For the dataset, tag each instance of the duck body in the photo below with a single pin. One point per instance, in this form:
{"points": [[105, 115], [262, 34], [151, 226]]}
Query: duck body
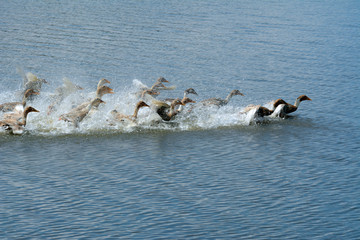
{"points": [[32, 82], [75, 116], [155, 88], [166, 112], [100, 92], [262, 111], [221, 102], [282, 108], [16, 123], [122, 117]]}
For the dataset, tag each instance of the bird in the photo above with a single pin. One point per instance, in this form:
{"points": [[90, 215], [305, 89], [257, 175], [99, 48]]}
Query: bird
{"points": [[221, 102], [282, 108], [17, 122], [31, 81], [102, 82], [168, 112], [100, 92], [61, 93], [75, 116], [122, 117], [12, 106], [186, 93], [185, 99], [165, 111], [158, 85], [259, 112]]}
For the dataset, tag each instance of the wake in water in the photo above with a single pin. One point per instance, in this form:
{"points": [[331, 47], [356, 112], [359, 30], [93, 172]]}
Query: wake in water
{"points": [[71, 110]]}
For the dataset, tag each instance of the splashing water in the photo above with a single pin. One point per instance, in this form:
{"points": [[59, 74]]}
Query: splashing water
{"points": [[101, 120]]}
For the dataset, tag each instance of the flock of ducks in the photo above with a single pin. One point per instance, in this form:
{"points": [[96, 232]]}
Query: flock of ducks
{"points": [[15, 113]]}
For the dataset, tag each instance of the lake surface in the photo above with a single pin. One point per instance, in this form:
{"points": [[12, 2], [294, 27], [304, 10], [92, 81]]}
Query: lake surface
{"points": [[210, 174]]}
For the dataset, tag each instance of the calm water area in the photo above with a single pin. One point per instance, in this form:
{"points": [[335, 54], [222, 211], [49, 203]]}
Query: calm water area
{"points": [[210, 174]]}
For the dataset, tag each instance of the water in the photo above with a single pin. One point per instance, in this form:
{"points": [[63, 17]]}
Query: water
{"points": [[211, 176]]}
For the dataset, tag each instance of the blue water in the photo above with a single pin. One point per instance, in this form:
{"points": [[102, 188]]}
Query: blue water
{"points": [[207, 176]]}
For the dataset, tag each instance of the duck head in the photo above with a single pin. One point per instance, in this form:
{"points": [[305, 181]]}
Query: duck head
{"points": [[187, 100], [141, 104], [161, 80], [104, 90], [30, 109], [236, 92], [102, 82], [303, 98], [191, 90], [96, 102]]}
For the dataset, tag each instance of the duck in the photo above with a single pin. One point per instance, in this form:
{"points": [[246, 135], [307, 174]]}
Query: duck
{"points": [[282, 108], [61, 93], [168, 112], [159, 85], [122, 117], [184, 101], [75, 116], [102, 82], [17, 122], [260, 111], [12, 106], [165, 111], [186, 93], [221, 102], [156, 87], [149, 95], [100, 92], [31, 81]]}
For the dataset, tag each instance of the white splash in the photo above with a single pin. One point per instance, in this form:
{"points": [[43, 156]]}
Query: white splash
{"points": [[124, 101]]}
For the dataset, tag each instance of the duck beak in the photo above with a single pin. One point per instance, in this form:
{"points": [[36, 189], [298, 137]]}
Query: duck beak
{"points": [[35, 93], [111, 91], [78, 87]]}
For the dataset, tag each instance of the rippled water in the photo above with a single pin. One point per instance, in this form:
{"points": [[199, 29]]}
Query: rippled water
{"points": [[209, 174]]}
